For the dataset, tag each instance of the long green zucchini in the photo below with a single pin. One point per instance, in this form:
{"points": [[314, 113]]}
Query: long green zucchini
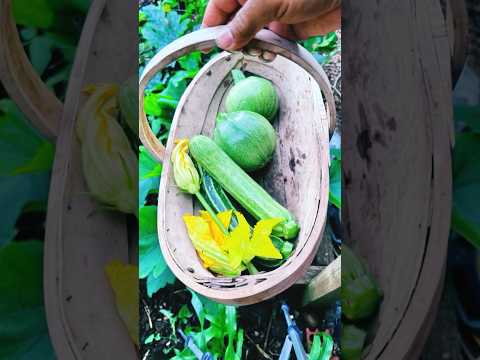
{"points": [[219, 201], [241, 186]]}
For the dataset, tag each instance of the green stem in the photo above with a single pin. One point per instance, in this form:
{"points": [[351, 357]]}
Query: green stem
{"points": [[237, 75], [214, 216], [251, 268]]}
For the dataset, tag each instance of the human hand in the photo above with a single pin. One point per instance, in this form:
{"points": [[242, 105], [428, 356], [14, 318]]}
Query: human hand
{"points": [[292, 19]]}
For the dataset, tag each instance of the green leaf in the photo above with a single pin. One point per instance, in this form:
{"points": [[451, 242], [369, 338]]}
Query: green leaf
{"points": [[177, 85], [150, 171], [28, 33], [239, 348], [152, 264], [152, 105], [231, 324], [41, 52], [322, 347], [24, 169], [198, 308], [335, 195], [34, 13], [466, 187], [23, 327], [184, 312], [149, 339], [200, 312], [468, 115], [322, 43], [160, 28], [19, 143], [19, 191], [191, 62], [41, 161]]}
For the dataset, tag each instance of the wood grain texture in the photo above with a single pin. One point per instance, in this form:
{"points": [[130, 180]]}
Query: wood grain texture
{"points": [[312, 271], [457, 27], [398, 112], [81, 236], [297, 176], [325, 286], [22, 83]]}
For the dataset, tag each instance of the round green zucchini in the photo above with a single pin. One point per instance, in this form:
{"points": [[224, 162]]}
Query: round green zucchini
{"points": [[253, 94], [247, 137]]}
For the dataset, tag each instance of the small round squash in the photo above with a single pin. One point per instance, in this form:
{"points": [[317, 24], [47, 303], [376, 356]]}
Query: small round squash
{"points": [[247, 137], [253, 94]]}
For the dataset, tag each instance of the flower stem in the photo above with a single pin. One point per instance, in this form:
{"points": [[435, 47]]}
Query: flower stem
{"points": [[212, 213], [251, 268], [237, 75]]}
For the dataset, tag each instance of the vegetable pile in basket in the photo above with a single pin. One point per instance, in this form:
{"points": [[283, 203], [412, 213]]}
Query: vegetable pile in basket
{"points": [[216, 169]]}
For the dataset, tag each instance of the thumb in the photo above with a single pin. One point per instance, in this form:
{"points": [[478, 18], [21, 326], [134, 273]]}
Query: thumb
{"points": [[249, 20]]}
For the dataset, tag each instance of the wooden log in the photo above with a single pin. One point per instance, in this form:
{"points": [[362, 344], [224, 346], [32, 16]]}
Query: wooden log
{"points": [[325, 287], [310, 274]]}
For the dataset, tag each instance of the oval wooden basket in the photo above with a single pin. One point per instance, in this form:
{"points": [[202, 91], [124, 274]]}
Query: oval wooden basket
{"points": [[81, 237], [297, 176]]}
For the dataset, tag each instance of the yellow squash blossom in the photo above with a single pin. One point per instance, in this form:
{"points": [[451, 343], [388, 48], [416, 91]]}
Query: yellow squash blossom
{"points": [[229, 254], [217, 234], [243, 247], [209, 250], [123, 279], [109, 163], [184, 171]]}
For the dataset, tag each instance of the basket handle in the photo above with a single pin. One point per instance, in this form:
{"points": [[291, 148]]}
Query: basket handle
{"points": [[205, 39], [21, 81]]}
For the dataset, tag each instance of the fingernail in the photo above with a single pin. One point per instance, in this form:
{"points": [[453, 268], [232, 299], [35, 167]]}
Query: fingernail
{"points": [[225, 40], [268, 56]]}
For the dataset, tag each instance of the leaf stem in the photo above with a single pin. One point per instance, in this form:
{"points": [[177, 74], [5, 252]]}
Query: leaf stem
{"points": [[214, 216], [251, 268]]}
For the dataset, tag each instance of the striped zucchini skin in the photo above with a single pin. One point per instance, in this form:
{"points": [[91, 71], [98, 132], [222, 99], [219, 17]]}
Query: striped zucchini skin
{"points": [[216, 196], [241, 186]]}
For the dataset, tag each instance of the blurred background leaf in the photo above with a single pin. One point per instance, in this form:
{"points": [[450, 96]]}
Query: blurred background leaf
{"points": [[152, 264], [25, 167], [23, 330], [466, 187]]}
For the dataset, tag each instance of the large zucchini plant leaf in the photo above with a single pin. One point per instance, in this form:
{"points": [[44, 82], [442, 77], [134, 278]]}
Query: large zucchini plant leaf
{"points": [[24, 169], [23, 328], [468, 115], [152, 264], [160, 28], [37, 13], [466, 187], [150, 171]]}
